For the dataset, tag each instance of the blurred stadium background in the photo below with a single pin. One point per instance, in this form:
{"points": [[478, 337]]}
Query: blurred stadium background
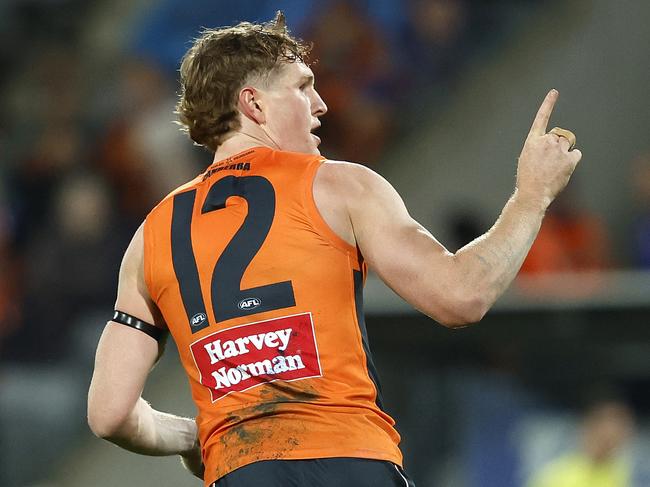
{"points": [[437, 95]]}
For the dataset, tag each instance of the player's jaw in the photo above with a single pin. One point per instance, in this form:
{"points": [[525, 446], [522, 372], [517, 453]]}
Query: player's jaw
{"points": [[293, 130]]}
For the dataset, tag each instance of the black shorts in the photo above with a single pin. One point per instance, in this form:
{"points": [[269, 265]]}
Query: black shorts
{"points": [[320, 472]]}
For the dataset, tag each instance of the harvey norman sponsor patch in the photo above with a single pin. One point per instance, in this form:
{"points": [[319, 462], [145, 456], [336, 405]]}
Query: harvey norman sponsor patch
{"points": [[245, 356]]}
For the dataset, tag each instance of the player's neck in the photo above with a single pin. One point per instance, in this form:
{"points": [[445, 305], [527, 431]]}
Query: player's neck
{"points": [[242, 140]]}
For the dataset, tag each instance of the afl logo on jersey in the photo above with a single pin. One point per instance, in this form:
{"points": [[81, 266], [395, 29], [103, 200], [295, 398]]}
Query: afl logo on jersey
{"points": [[249, 303], [198, 319]]}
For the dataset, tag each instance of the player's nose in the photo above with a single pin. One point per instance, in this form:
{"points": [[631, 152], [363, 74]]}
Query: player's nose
{"points": [[318, 106]]}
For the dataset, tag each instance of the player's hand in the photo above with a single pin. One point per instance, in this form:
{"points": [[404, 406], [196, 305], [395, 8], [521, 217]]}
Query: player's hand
{"points": [[193, 461], [545, 163]]}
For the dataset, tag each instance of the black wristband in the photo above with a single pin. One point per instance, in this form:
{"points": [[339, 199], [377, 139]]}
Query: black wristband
{"points": [[154, 332]]}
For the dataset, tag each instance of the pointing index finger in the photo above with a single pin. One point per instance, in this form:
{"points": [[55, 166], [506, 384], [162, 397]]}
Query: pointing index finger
{"points": [[543, 114]]}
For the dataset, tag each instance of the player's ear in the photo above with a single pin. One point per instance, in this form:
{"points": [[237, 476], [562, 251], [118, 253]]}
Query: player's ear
{"points": [[250, 105]]}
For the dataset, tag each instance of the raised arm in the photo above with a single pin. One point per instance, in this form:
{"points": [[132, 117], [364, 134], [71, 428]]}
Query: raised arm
{"points": [[456, 289], [125, 356]]}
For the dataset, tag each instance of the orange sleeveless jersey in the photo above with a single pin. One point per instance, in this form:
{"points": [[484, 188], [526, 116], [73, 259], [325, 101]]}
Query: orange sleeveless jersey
{"points": [[263, 300]]}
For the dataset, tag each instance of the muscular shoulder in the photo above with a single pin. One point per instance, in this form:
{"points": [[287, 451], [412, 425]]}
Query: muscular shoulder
{"points": [[344, 191], [359, 187], [346, 177], [340, 186]]}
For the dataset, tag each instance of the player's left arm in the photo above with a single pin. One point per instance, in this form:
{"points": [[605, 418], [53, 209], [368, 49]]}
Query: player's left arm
{"points": [[125, 356]]}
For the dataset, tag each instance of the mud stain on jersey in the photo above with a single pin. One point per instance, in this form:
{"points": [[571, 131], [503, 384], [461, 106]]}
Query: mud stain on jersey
{"points": [[253, 433], [246, 434], [275, 393], [241, 440]]}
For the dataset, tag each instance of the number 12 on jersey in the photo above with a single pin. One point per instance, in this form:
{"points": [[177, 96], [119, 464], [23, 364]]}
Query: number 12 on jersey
{"points": [[228, 299]]}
